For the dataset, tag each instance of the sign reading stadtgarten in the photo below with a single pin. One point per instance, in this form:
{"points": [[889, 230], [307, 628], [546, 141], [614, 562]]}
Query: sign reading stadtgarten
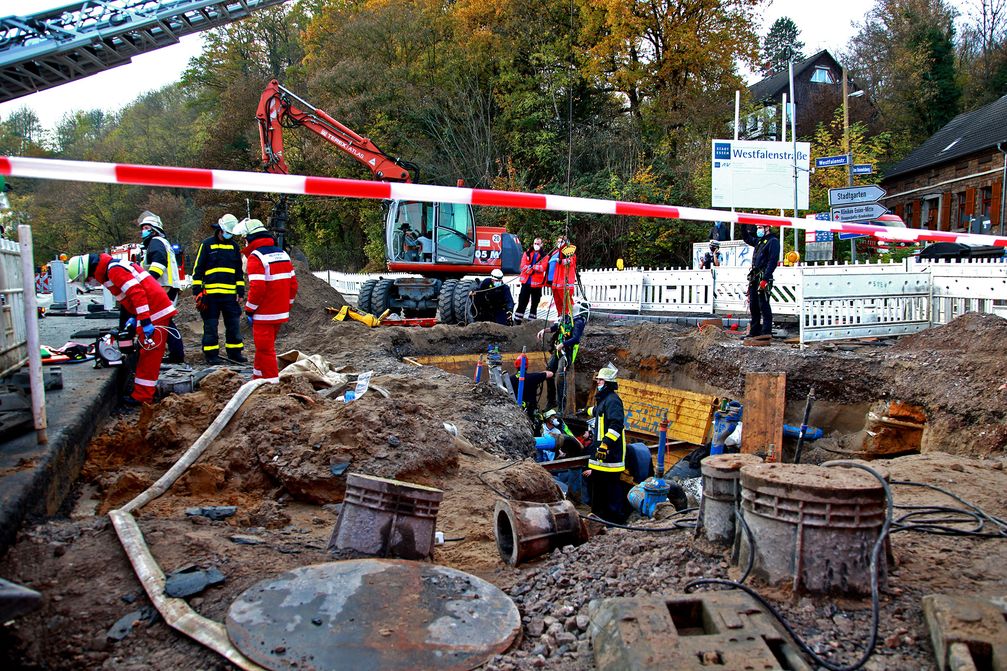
{"points": [[759, 174]]}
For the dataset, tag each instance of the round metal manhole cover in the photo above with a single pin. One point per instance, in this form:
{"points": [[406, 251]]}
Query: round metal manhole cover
{"points": [[372, 614]]}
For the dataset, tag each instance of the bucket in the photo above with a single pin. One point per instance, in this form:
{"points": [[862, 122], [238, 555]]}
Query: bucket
{"points": [[524, 529], [722, 494], [387, 518], [812, 527]]}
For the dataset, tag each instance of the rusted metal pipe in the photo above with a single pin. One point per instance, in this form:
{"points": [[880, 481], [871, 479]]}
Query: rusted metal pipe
{"points": [[525, 530]]}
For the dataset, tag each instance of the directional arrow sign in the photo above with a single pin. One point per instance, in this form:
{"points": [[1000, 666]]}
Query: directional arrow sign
{"points": [[863, 169], [854, 195], [831, 161], [858, 212]]}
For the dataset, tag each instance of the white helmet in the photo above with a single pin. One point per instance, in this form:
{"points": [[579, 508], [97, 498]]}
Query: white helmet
{"points": [[248, 227], [148, 218], [496, 274], [608, 373], [227, 223], [581, 307]]}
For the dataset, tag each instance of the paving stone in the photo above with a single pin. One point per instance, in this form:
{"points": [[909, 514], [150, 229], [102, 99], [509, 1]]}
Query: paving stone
{"points": [[967, 632]]}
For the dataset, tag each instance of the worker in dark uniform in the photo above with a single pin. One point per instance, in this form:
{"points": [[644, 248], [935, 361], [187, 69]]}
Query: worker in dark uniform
{"points": [[493, 300], [711, 259], [218, 285], [532, 384], [760, 278], [160, 263], [607, 454], [564, 342]]}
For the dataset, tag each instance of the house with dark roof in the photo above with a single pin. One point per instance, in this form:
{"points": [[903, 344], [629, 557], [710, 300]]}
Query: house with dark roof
{"points": [[954, 181], [818, 84]]}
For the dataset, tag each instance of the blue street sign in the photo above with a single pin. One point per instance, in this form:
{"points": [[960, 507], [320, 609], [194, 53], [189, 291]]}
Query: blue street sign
{"points": [[863, 169], [851, 236], [832, 161]]}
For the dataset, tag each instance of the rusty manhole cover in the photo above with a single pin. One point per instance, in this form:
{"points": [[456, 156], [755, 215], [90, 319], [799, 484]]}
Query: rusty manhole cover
{"points": [[372, 614]]}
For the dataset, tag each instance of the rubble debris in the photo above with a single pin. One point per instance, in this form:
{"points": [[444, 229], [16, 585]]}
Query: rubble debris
{"points": [[17, 600], [128, 622], [215, 513], [191, 580]]}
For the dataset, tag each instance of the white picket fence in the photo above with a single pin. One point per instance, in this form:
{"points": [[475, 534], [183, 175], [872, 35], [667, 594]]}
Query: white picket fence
{"points": [[829, 301], [13, 339]]}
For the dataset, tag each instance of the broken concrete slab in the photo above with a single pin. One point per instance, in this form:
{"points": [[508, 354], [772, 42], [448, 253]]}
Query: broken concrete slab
{"points": [[191, 580], [967, 632], [215, 513], [693, 631]]}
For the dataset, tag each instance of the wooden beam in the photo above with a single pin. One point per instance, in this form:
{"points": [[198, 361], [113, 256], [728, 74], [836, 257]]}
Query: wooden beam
{"points": [[765, 399]]}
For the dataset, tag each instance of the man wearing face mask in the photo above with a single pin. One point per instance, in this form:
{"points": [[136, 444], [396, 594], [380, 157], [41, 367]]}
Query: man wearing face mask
{"points": [[608, 451], [561, 274], [760, 279], [533, 269], [493, 301], [218, 284], [711, 259], [160, 263]]}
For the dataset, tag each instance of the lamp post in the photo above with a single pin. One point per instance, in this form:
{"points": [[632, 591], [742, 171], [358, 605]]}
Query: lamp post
{"points": [[846, 148]]}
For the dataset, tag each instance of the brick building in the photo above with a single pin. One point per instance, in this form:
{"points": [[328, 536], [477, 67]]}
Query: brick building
{"points": [[954, 180]]}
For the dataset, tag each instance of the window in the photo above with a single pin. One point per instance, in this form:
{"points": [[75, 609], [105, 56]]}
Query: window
{"points": [[455, 231], [908, 218], [959, 218], [985, 202], [822, 75]]}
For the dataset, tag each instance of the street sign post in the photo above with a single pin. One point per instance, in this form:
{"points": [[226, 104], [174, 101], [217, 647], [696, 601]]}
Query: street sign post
{"points": [[856, 195], [863, 169], [851, 213], [832, 161]]}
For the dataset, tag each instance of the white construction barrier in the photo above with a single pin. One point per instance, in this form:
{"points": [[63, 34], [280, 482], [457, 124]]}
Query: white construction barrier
{"points": [[829, 301], [13, 336]]}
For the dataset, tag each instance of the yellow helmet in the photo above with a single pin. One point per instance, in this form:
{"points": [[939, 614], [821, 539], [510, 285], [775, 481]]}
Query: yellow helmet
{"points": [[76, 268]]}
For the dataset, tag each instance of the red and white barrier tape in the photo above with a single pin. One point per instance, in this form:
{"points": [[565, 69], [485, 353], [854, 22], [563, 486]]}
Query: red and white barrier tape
{"points": [[230, 180]]}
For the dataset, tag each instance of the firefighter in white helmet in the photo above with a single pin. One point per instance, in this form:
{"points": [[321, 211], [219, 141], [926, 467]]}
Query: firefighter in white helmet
{"points": [[608, 451], [160, 262]]}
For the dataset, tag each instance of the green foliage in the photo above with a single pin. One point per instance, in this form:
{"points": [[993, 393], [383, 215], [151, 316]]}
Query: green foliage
{"points": [[781, 45]]}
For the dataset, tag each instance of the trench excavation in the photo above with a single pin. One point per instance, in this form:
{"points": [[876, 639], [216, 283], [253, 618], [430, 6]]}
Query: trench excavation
{"points": [[284, 458]]}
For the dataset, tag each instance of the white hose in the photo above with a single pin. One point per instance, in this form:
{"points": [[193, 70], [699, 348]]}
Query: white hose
{"points": [[177, 612]]}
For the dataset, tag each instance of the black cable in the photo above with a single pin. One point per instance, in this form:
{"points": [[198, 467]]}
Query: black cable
{"points": [[751, 546], [971, 514], [493, 470], [679, 524], [875, 598]]}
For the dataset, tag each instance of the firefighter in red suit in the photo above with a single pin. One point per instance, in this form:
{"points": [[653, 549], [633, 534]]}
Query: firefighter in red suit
{"points": [[272, 286], [144, 298]]}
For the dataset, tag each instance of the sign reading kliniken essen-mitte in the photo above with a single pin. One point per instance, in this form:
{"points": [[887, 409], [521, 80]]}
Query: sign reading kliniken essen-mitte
{"points": [[759, 174]]}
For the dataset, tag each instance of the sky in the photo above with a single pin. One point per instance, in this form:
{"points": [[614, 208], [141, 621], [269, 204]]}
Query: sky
{"points": [[823, 25]]}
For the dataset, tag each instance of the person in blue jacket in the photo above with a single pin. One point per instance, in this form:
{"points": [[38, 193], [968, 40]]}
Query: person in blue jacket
{"points": [[760, 278]]}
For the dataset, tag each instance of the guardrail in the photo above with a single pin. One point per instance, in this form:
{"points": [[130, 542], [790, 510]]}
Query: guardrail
{"points": [[13, 338], [829, 301]]}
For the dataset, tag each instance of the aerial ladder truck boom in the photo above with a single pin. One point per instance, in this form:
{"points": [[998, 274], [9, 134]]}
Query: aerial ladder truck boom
{"points": [[438, 241]]}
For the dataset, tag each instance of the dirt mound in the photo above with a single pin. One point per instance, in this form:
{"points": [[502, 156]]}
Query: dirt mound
{"points": [[972, 332]]}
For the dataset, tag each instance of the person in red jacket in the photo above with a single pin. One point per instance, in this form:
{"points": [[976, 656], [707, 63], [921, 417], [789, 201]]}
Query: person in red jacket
{"points": [[144, 298], [533, 268], [562, 275], [272, 286]]}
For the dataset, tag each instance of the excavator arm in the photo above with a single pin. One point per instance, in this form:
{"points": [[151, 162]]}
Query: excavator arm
{"points": [[279, 109]]}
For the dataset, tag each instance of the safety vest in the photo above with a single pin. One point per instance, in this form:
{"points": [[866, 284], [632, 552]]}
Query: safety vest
{"points": [[165, 274]]}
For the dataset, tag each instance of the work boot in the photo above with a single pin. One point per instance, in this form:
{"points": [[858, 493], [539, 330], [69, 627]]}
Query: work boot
{"points": [[214, 359], [237, 357]]}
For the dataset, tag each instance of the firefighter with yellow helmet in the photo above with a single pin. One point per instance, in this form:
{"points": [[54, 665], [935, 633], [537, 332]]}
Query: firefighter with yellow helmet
{"points": [[608, 451]]}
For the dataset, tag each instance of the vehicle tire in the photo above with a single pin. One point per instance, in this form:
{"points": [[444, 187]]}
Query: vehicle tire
{"points": [[462, 301], [446, 302], [381, 298], [364, 297]]}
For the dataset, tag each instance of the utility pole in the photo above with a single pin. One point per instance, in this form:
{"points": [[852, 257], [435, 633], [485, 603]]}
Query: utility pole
{"points": [[793, 138], [1003, 187]]}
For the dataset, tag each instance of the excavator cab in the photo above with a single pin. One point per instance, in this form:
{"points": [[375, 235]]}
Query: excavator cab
{"points": [[434, 233]]}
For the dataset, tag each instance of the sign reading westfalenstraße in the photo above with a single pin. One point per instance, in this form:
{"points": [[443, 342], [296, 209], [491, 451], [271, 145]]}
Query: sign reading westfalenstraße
{"points": [[759, 174]]}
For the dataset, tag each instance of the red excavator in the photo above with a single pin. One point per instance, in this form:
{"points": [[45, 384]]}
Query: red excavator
{"points": [[439, 241]]}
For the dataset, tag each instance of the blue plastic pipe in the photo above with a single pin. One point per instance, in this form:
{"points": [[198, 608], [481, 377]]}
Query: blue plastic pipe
{"points": [[521, 374]]}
